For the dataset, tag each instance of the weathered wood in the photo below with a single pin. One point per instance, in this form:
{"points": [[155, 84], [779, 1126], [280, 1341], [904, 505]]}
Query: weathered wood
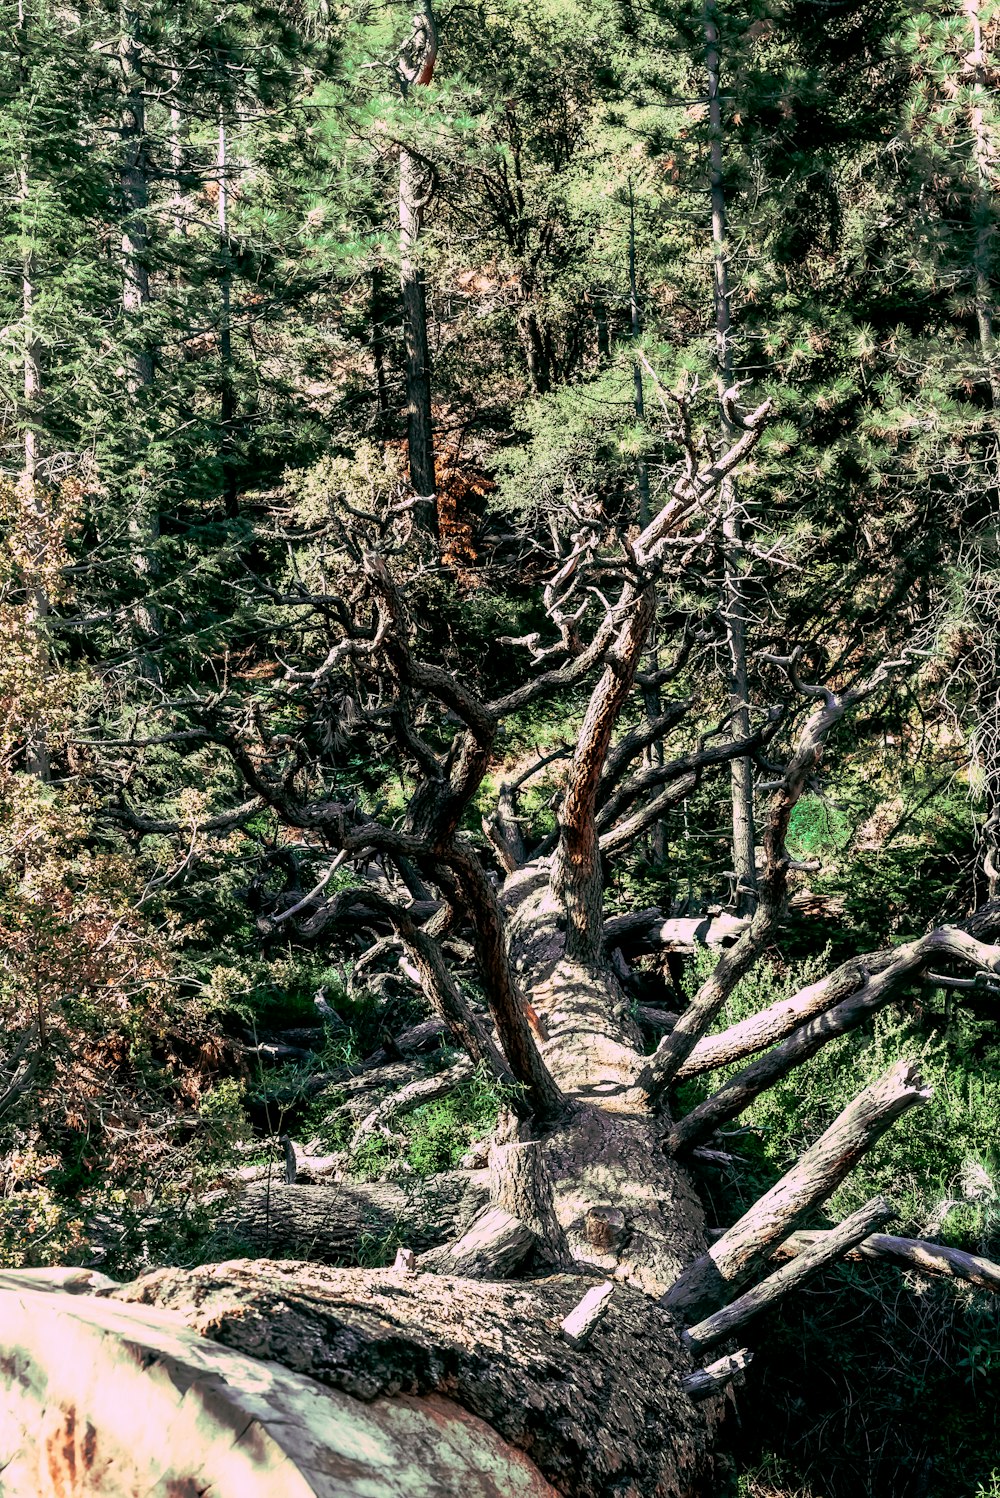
{"points": [[496, 1244], [739, 1253], [609, 1419], [655, 1018], [65, 1281], [341, 1222], [649, 930], [740, 1091], [912, 1253], [405, 1261], [413, 1095], [865, 982], [778, 1020], [675, 1048], [578, 1327], [810, 1261], [705, 1382], [99, 1396]]}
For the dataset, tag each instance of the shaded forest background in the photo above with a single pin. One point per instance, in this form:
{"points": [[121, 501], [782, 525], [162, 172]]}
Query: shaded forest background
{"points": [[205, 376]]}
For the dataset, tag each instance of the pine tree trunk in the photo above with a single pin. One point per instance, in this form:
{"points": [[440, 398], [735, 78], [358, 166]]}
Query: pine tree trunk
{"points": [[144, 527], [228, 401], [734, 598], [416, 68]]}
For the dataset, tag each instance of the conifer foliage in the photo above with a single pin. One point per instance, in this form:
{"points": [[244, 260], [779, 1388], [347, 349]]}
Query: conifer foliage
{"points": [[500, 510]]}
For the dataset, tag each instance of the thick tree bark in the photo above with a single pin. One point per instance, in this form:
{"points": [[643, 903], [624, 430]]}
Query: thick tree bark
{"points": [[336, 1223], [109, 1396], [494, 1349]]}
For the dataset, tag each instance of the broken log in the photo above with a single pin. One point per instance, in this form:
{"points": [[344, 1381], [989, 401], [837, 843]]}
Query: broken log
{"points": [[123, 1398], [521, 1185], [650, 931], [338, 1224], [494, 1246], [578, 1327], [610, 1418], [705, 1382]]}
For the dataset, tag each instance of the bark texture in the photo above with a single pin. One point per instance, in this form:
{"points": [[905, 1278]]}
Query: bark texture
{"points": [[336, 1223], [136, 1402], [495, 1349]]}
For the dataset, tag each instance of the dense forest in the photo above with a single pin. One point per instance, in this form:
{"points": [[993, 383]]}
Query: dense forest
{"points": [[500, 735]]}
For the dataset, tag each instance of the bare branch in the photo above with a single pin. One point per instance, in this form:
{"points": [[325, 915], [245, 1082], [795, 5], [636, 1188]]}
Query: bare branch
{"points": [[636, 741], [738, 1255], [831, 1247], [778, 1020], [695, 762], [414, 1095], [225, 821], [740, 1091], [675, 1048], [932, 1259]]}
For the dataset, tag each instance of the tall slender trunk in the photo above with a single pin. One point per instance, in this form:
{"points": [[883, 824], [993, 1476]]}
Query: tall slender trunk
{"points": [[144, 527], [228, 400], [982, 269], [377, 315], [983, 247], [639, 397], [651, 695], [734, 595], [537, 353], [36, 749], [176, 217], [416, 68]]}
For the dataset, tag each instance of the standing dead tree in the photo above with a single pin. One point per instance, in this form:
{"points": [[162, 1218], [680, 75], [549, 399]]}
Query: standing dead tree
{"points": [[587, 1183]]}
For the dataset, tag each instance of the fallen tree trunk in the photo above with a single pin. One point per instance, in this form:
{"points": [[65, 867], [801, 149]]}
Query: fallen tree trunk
{"points": [[340, 1222], [137, 1402], [493, 1349]]}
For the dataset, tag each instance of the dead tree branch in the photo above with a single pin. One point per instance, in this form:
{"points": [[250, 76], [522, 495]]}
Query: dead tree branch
{"points": [[932, 1259], [832, 1246], [734, 964], [744, 1247], [740, 1091]]}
